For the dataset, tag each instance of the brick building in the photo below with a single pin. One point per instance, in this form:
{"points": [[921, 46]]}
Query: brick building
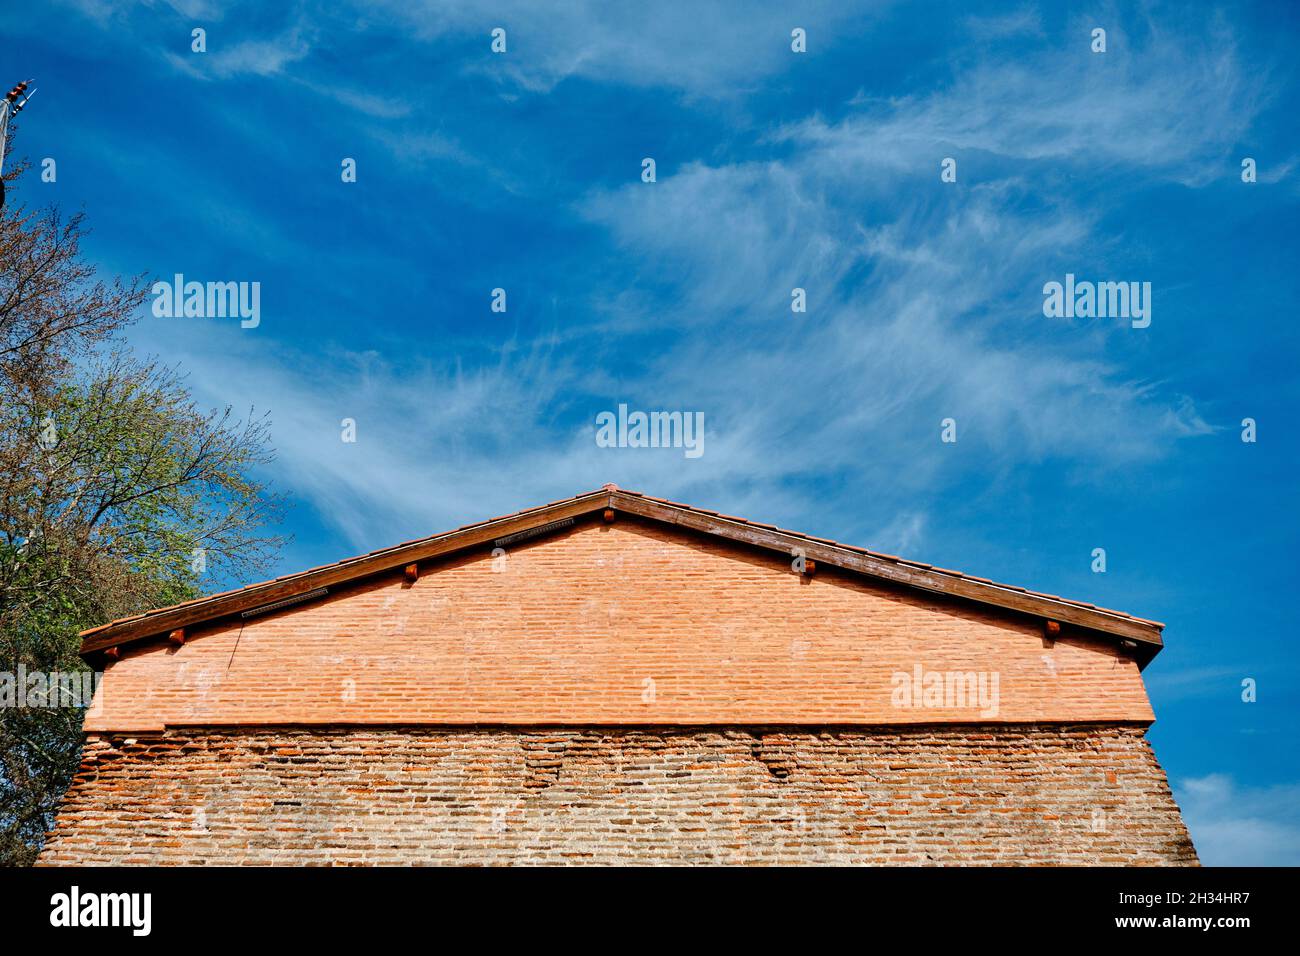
{"points": [[614, 678]]}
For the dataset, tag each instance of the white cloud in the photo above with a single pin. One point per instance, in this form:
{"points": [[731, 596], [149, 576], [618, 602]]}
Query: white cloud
{"points": [[1234, 825], [386, 105], [946, 322], [246, 58], [709, 49], [1172, 106], [903, 536], [436, 446], [941, 316]]}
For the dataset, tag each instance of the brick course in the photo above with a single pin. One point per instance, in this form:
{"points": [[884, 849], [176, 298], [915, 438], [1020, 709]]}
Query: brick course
{"points": [[926, 795]]}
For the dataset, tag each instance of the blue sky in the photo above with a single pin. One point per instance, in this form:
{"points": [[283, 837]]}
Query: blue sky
{"points": [[775, 170]]}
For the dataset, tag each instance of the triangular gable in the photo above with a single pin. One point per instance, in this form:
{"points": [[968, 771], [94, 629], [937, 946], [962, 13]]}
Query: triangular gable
{"points": [[1141, 637]]}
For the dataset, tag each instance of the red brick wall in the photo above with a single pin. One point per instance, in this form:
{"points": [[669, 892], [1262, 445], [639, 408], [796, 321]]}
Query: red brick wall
{"points": [[922, 795], [579, 628]]}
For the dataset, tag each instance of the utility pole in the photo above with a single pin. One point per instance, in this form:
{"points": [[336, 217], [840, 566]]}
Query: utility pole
{"points": [[11, 105]]}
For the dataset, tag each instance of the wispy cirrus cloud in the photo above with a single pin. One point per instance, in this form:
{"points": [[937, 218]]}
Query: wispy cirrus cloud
{"points": [[709, 50], [261, 58], [1167, 104], [942, 317], [713, 50], [1195, 683], [488, 438]]}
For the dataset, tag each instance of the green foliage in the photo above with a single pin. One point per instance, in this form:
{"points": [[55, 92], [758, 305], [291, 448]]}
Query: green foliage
{"points": [[117, 494]]}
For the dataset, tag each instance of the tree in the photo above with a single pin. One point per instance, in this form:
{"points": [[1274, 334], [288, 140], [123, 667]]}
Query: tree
{"points": [[117, 492]]}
